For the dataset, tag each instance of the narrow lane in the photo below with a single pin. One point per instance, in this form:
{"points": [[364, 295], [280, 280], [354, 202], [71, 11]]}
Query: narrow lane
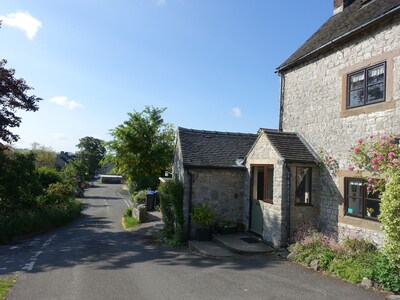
{"points": [[94, 258]]}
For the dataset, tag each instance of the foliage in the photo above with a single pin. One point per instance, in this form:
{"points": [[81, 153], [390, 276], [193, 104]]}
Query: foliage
{"points": [[202, 214], [92, 151], [328, 162], [171, 196], [26, 221], [13, 97], [128, 221], [44, 156], [19, 183], [58, 194], [378, 156], [305, 229], [352, 259], [73, 173], [139, 197], [142, 147], [6, 282], [390, 218], [227, 224], [47, 176]]}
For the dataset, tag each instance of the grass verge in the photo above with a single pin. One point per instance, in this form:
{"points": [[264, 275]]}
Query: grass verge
{"points": [[128, 221], [6, 282]]}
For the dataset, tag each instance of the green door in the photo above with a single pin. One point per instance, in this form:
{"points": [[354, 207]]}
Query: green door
{"points": [[256, 217]]}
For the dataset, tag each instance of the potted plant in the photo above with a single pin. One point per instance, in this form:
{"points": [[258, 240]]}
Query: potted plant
{"points": [[203, 216], [370, 210], [227, 227]]}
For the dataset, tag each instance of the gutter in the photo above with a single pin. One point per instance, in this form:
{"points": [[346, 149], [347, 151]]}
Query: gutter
{"points": [[336, 40], [281, 100], [288, 177]]}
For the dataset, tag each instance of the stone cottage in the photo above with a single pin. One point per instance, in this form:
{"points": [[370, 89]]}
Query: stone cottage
{"points": [[209, 163], [280, 186], [342, 84]]}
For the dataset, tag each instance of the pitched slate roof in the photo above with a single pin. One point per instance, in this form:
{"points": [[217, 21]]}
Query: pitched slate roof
{"points": [[290, 146], [340, 28], [213, 149]]}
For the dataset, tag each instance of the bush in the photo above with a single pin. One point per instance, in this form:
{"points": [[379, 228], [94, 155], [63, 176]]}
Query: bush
{"points": [[128, 212], [47, 176], [202, 214], [57, 194], [139, 197]]}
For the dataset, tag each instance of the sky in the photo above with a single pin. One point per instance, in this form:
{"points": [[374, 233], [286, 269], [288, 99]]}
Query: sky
{"points": [[211, 63]]}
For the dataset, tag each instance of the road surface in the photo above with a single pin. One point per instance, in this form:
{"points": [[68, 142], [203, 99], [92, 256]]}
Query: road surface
{"points": [[94, 258]]}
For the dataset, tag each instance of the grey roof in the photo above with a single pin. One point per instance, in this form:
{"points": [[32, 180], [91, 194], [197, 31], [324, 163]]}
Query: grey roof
{"points": [[290, 146], [213, 149], [343, 26]]}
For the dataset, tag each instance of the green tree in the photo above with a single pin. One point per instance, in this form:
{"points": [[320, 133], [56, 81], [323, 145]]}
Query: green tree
{"points": [[44, 156], [142, 147], [92, 151]]}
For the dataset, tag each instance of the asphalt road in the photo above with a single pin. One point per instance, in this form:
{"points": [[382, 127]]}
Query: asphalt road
{"points": [[94, 258]]}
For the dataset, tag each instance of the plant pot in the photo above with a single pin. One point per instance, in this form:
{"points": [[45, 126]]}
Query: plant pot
{"points": [[228, 230], [203, 234]]}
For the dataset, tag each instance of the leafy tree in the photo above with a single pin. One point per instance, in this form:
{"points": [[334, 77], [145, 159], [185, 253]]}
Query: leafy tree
{"points": [[48, 176], [91, 153], [13, 96], [73, 173], [142, 147], [44, 156]]}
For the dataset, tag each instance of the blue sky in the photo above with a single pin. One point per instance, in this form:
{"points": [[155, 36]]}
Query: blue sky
{"points": [[210, 62]]}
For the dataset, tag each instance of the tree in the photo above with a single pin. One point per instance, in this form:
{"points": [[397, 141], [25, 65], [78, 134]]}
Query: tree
{"points": [[13, 96], [142, 147], [91, 153], [44, 156]]}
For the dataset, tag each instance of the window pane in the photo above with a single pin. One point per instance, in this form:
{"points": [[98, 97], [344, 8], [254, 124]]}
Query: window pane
{"points": [[270, 183], [356, 81], [303, 185], [372, 208], [356, 98], [376, 75], [354, 197], [260, 183], [375, 92]]}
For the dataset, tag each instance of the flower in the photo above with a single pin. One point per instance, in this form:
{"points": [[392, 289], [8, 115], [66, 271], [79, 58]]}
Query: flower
{"points": [[350, 168], [395, 161], [356, 149], [374, 161], [376, 168], [360, 141], [374, 154], [370, 210], [382, 143], [371, 136], [380, 157], [371, 180], [383, 136], [391, 154]]}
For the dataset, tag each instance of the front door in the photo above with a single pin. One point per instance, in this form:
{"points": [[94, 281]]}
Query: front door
{"points": [[257, 192]]}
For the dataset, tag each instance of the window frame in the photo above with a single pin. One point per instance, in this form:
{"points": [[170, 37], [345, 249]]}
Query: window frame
{"points": [[265, 181], [309, 203], [364, 197], [364, 71]]}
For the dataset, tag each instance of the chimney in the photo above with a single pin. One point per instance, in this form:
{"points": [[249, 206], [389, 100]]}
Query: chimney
{"points": [[340, 5]]}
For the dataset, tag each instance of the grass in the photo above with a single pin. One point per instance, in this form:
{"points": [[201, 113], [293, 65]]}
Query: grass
{"points": [[6, 282], [129, 222]]}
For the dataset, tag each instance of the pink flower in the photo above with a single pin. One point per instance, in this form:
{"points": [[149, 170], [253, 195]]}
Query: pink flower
{"points": [[356, 149], [374, 161], [374, 154], [380, 157], [350, 168], [368, 188], [383, 136], [382, 143], [395, 161], [391, 154], [373, 191], [360, 141], [391, 139], [371, 136], [376, 168], [371, 180]]}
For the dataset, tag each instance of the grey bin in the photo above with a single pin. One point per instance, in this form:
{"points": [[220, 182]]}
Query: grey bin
{"points": [[151, 198]]}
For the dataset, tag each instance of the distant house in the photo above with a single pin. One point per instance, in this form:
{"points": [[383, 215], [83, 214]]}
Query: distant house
{"points": [[280, 185], [342, 84], [63, 158], [209, 163]]}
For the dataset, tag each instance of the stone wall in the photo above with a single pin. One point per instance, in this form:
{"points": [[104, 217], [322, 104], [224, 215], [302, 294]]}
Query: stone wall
{"points": [[314, 106], [274, 225]]}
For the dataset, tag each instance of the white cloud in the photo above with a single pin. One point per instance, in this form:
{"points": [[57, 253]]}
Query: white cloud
{"points": [[237, 112], [23, 21], [161, 2], [63, 101]]}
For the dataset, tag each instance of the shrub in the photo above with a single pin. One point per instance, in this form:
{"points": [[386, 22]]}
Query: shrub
{"points": [[202, 214], [128, 212], [305, 229], [58, 194], [139, 197], [47, 176]]}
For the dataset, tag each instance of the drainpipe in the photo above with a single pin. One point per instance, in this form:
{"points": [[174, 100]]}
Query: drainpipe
{"points": [[281, 99], [288, 177], [190, 203]]}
